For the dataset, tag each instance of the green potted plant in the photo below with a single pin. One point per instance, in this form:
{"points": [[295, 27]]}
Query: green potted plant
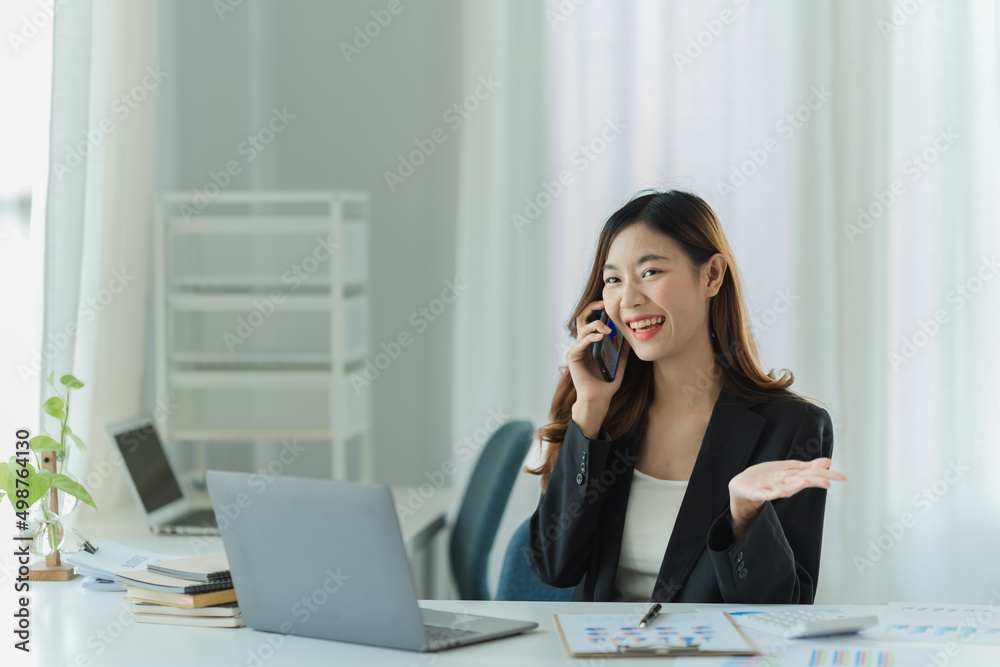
{"points": [[25, 484]]}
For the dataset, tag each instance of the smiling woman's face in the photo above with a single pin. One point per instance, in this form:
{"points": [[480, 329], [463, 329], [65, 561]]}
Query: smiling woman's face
{"points": [[647, 276]]}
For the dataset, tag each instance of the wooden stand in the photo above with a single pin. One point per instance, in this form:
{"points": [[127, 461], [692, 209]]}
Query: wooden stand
{"points": [[53, 569], [44, 572]]}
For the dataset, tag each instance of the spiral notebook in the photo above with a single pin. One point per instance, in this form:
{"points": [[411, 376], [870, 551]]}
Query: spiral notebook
{"points": [[155, 581], [206, 567]]}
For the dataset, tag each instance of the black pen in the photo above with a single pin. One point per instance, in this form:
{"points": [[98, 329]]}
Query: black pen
{"points": [[650, 615]]}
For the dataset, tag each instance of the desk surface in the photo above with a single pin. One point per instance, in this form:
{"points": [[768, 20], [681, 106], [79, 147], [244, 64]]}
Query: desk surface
{"points": [[71, 626], [94, 628]]}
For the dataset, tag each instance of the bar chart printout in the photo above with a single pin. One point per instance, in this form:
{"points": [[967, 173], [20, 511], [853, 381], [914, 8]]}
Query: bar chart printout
{"points": [[805, 656]]}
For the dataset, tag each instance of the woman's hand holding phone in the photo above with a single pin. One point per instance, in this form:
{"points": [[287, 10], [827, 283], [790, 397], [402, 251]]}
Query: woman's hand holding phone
{"points": [[593, 392]]}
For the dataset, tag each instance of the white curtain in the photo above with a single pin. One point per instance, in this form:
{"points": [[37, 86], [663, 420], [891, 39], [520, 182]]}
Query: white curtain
{"points": [[788, 118], [101, 175], [503, 357], [938, 436]]}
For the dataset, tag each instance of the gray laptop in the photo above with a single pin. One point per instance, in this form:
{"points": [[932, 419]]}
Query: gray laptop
{"points": [[326, 559], [153, 484]]}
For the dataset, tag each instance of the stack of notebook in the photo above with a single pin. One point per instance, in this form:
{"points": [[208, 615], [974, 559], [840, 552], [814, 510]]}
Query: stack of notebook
{"points": [[183, 591]]}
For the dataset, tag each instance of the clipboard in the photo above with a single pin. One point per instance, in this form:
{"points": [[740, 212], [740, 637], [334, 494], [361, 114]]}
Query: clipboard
{"points": [[707, 625]]}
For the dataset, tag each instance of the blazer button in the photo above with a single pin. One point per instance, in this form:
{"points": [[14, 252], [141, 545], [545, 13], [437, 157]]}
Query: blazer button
{"points": [[739, 557], [584, 456], [583, 467], [742, 574], [579, 478]]}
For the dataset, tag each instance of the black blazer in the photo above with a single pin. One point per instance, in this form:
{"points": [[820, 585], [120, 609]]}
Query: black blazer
{"points": [[576, 531]]}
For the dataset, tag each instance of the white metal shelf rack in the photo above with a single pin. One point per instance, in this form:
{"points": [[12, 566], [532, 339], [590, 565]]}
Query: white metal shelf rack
{"points": [[261, 315]]}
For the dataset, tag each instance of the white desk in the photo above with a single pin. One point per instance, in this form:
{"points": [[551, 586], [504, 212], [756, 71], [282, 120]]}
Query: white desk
{"points": [[70, 626], [74, 627]]}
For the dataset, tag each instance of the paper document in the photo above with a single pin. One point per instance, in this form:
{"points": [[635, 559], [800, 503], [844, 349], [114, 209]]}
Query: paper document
{"points": [[961, 623], [111, 557], [608, 633]]}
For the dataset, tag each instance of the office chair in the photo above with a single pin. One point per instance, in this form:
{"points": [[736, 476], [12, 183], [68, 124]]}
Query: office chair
{"points": [[482, 507], [518, 581]]}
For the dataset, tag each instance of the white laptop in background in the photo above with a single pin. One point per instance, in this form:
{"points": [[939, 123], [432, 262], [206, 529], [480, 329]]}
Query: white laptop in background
{"points": [[154, 485]]}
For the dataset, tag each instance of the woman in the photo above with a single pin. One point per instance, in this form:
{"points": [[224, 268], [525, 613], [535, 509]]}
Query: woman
{"points": [[694, 476]]}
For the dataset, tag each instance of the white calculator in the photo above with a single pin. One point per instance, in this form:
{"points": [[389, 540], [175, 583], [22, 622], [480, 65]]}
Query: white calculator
{"points": [[806, 621]]}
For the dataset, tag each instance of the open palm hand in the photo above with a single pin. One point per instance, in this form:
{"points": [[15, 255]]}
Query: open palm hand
{"points": [[750, 489]]}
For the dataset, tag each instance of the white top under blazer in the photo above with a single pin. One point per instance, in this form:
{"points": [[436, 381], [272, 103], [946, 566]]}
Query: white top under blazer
{"points": [[653, 504]]}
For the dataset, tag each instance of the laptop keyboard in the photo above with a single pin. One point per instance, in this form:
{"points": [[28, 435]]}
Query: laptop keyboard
{"points": [[440, 634], [195, 518]]}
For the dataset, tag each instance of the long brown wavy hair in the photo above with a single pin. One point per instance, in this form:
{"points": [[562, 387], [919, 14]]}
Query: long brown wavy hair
{"points": [[689, 221]]}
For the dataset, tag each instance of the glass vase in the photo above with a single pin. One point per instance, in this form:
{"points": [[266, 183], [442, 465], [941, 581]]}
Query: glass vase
{"points": [[47, 532]]}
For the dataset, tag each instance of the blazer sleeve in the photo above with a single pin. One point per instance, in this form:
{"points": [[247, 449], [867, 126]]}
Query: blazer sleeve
{"points": [[563, 529], [777, 559]]}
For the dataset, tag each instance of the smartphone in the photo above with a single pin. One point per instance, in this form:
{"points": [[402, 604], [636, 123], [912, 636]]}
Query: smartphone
{"points": [[608, 350]]}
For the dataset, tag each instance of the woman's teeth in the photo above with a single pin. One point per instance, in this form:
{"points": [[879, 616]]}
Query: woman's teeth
{"points": [[642, 326]]}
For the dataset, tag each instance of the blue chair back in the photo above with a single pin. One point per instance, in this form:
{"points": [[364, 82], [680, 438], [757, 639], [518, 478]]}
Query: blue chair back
{"points": [[482, 507], [518, 581]]}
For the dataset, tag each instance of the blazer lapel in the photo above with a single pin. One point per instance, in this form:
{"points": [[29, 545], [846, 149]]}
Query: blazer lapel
{"points": [[732, 432]]}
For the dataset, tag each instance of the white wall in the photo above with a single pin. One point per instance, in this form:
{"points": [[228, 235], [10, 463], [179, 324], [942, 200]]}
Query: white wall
{"points": [[352, 120]]}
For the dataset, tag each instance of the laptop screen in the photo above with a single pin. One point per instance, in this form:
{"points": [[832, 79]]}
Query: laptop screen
{"points": [[148, 465]]}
